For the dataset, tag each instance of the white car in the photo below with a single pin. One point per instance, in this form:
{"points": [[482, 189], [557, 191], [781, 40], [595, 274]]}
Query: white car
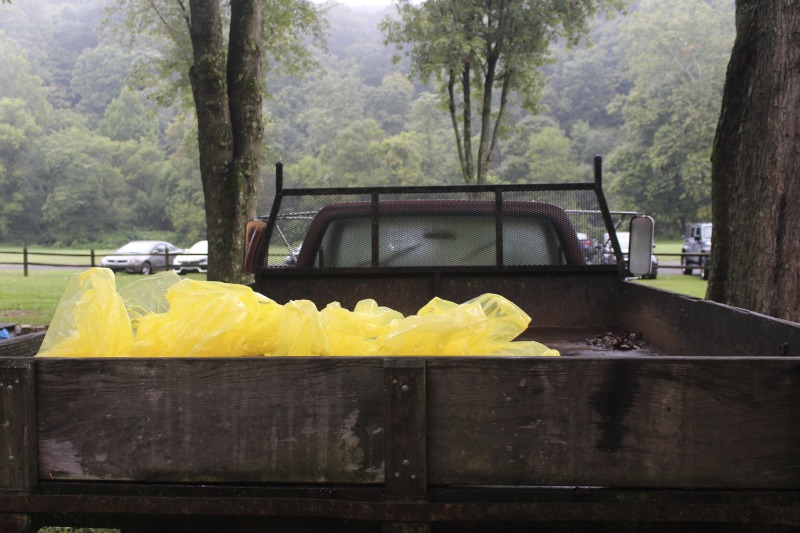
{"points": [[195, 259]]}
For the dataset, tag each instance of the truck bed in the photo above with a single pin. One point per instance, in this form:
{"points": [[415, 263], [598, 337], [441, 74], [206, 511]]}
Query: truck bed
{"points": [[696, 429]]}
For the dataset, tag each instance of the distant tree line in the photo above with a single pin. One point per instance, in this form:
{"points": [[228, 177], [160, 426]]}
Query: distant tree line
{"points": [[89, 153]]}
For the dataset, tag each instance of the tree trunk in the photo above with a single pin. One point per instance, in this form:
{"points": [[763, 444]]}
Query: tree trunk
{"points": [[245, 90], [226, 89], [755, 165]]}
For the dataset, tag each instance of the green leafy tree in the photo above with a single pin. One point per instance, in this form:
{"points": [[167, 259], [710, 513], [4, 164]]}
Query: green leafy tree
{"points": [[351, 158], [400, 160], [428, 120], [390, 103], [129, 117], [214, 59], [480, 54], [336, 100], [185, 209], [540, 152], [676, 54], [87, 193], [19, 181], [583, 80], [18, 80], [99, 75], [25, 117]]}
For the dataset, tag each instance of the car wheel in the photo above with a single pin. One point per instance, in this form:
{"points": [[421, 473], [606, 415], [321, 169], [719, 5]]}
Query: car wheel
{"points": [[686, 270], [147, 269]]}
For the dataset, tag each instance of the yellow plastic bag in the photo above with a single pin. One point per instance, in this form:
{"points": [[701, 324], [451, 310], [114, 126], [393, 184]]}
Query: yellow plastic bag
{"points": [[486, 325], [164, 315], [356, 332], [90, 319]]}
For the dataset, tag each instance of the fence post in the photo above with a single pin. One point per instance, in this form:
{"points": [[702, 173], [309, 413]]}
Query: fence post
{"points": [[91, 254], [25, 260]]}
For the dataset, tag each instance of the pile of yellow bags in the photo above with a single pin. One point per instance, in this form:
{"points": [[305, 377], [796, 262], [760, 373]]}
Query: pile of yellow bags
{"points": [[164, 315]]}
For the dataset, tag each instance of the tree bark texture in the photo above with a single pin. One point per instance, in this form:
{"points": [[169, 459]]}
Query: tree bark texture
{"points": [[227, 96], [245, 90], [756, 165]]}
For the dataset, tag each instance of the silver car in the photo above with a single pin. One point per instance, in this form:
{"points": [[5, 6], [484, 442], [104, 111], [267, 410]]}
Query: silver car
{"points": [[142, 257]]}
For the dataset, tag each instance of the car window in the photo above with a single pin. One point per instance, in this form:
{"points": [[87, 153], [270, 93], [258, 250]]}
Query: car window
{"points": [[200, 247], [160, 249], [438, 241], [135, 248]]}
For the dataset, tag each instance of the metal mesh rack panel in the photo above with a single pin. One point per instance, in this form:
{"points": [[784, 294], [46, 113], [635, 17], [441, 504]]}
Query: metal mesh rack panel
{"points": [[462, 227]]}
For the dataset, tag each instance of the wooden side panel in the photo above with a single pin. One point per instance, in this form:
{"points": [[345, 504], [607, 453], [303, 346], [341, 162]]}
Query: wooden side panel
{"points": [[616, 422], [681, 325], [17, 425], [223, 419], [552, 299], [571, 300], [22, 346]]}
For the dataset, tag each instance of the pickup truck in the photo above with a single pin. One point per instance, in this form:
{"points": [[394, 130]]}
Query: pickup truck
{"points": [[690, 424]]}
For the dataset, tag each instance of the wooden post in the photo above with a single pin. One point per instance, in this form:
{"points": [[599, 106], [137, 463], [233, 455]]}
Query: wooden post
{"points": [[25, 260], [91, 255], [18, 461], [405, 455]]}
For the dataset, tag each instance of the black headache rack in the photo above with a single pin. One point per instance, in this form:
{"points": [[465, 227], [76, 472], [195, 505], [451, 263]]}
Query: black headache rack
{"points": [[521, 228]]}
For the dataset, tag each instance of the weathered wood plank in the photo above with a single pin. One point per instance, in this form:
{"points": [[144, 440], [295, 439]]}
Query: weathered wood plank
{"points": [[222, 419], [22, 346], [17, 523], [619, 422], [406, 432], [682, 325], [616, 422], [17, 424], [551, 298]]}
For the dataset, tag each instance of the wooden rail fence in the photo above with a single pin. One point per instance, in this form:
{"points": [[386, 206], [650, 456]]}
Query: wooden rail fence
{"points": [[87, 260]]}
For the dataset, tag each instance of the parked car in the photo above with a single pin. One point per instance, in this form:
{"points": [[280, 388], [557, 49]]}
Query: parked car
{"points": [[624, 243], [195, 259], [697, 239], [142, 257]]}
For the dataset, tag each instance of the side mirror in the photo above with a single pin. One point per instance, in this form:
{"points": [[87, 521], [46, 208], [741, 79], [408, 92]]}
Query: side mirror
{"points": [[254, 233], [641, 245]]}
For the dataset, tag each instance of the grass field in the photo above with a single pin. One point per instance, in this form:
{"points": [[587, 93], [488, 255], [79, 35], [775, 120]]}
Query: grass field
{"points": [[33, 299]]}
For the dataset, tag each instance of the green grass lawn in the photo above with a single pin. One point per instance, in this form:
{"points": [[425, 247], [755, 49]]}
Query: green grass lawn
{"points": [[32, 299], [674, 281]]}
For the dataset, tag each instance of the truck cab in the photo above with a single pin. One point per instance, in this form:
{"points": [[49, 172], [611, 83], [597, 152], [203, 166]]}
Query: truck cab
{"points": [[406, 245]]}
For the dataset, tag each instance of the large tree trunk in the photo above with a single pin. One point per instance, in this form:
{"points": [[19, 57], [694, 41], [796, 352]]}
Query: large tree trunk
{"points": [[245, 90], [227, 96], [755, 165]]}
